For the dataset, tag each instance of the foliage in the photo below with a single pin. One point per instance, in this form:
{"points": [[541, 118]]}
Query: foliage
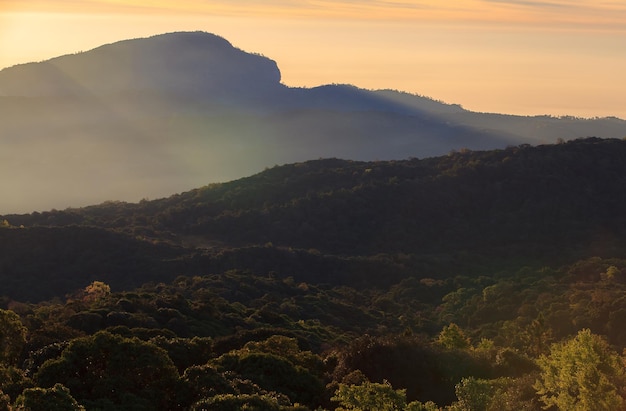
{"points": [[248, 356], [205, 381], [96, 291], [369, 397], [473, 394], [395, 359], [12, 337], [280, 289], [453, 337], [582, 373], [5, 402], [107, 369], [13, 381], [275, 373], [341, 222], [229, 402], [288, 348], [57, 398], [515, 394]]}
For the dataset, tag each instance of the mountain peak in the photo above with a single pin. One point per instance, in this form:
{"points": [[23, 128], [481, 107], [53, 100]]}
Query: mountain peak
{"points": [[188, 63]]}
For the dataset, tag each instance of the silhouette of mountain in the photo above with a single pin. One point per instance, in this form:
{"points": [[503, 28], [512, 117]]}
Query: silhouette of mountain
{"points": [[186, 64], [148, 117]]}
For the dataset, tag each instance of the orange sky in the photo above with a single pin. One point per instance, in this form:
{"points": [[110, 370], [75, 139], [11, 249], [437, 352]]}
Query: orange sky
{"points": [[517, 56]]}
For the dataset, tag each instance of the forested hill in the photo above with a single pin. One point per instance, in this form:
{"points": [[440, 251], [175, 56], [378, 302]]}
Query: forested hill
{"points": [[488, 280], [345, 221]]}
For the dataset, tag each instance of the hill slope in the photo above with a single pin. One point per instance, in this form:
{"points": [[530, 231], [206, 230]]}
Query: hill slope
{"points": [[148, 117], [343, 221], [188, 64]]}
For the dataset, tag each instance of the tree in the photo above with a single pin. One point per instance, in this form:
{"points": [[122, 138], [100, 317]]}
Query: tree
{"points": [[473, 394], [515, 394], [231, 402], [204, 381], [106, 371], [369, 397], [537, 335], [96, 291], [12, 337], [581, 374], [394, 358], [274, 373], [453, 337], [420, 406], [13, 381], [57, 398], [288, 348], [5, 402]]}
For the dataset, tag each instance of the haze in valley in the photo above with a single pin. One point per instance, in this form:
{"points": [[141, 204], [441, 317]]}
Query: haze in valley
{"points": [[98, 117]]}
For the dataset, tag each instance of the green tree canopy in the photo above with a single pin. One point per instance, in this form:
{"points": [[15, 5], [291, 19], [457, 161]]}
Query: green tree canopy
{"points": [[581, 374], [274, 373], [370, 397], [230, 402], [12, 337], [106, 371], [453, 337], [57, 398]]}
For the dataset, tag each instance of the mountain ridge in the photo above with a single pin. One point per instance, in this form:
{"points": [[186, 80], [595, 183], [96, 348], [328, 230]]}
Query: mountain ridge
{"points": [[341, 220], [186, 109], [164, 63]]}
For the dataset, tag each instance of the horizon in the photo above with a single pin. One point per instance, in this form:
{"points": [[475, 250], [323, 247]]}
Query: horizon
{"points": [[513, 57]]}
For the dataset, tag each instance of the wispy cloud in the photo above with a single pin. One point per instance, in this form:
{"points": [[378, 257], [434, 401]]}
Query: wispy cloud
{"points": [[549, 4], [607, 14]]}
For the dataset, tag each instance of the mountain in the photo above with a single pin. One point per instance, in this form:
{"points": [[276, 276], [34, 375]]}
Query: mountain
{"points": [[148, 117], [341, 222], [183, 64]]}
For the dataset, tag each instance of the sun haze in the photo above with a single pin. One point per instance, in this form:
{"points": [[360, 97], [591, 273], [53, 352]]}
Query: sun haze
{"points": [[523, 57]]}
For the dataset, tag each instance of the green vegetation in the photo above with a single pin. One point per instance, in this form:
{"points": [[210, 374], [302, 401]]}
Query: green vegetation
{"points": [[475, 281], [57, 398], [582, 374]]}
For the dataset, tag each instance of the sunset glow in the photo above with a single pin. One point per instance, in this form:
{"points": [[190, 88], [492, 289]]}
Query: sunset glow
{"points": [[524, 57]]}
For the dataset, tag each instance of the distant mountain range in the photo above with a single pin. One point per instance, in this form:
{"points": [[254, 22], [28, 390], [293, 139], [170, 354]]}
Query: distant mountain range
{"points": [[150, 117]]}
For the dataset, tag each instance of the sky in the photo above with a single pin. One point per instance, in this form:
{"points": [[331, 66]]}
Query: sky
{"points": [[528, 57]]}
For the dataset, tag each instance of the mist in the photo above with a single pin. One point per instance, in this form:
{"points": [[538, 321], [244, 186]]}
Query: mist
{"points": [[148, 118]]}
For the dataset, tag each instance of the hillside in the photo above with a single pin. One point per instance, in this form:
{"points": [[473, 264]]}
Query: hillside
{"points": [[145, 118], [340, 221], [182, 64], [327, 284]]}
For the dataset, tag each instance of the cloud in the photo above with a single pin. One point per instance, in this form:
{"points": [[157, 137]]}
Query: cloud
{"points": [[577, 14], [529, 3], [78, 6]]}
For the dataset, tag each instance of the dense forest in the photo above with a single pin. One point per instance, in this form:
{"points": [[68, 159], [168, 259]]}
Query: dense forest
{"points": [[490, 280]]}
